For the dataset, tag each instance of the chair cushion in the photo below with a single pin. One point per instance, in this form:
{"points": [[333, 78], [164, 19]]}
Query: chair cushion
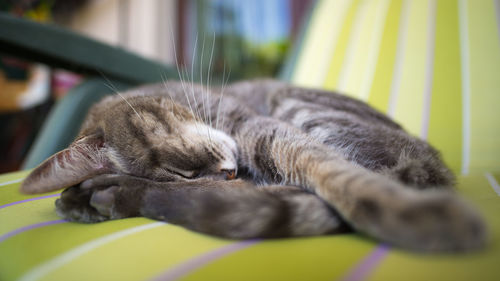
{"points": [[35, 244]]}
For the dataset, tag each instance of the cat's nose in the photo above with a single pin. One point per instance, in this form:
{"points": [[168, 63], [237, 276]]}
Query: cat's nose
{"points": [[230, 173]]}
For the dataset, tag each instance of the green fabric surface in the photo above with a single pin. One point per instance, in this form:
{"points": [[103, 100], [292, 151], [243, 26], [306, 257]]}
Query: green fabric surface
{"points": [[431, 65], [141, 249]]}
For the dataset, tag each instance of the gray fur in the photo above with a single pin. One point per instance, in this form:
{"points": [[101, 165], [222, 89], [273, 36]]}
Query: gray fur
{"points": [[169, 148]]}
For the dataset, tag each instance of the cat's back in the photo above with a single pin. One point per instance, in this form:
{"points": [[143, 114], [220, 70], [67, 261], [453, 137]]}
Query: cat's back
{"points": [[279, 99]]}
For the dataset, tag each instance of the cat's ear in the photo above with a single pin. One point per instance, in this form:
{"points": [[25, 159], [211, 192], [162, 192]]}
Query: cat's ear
{"points": [[83, 159]]}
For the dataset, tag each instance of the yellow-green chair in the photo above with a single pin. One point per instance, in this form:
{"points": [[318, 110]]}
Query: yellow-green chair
{"points": [[434, 65]]}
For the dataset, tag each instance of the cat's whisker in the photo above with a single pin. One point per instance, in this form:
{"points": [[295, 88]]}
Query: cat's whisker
{"points": [[201, 78], [192, 78], [203, 91], [108, 83], [137, 113], [181, 78], [195, 116], [188, 100], [164, 81], [220, 100], [224, 84], [114, 89], [209, 72]]}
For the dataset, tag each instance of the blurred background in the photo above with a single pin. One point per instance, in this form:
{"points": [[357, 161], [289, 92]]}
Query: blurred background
{"points": [[230, 39]]}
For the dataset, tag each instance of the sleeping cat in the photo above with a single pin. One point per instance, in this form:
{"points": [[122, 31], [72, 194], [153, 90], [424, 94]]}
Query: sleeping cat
{"points": [[307, 162]]}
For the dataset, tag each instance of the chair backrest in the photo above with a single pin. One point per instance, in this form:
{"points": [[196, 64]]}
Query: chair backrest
{"points": [[104, 66], [433, 65]]}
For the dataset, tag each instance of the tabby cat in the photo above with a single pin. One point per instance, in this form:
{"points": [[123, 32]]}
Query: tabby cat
{"points": [[258, 159]]}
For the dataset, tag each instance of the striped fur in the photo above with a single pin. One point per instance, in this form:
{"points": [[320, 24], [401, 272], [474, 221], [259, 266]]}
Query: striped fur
{"points": [[355, 167]]}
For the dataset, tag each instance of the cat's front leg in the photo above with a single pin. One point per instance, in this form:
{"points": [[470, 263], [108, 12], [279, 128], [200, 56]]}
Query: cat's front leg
{"points": [[74, 205], [231, 209], [112, 197]]}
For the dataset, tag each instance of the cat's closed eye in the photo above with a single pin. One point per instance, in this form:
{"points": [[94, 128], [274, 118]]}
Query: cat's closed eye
{"points": [[189, 174]]}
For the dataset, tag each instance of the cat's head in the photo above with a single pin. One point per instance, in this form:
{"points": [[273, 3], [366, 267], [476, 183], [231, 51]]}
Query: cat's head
{"points": [[144, 136]]}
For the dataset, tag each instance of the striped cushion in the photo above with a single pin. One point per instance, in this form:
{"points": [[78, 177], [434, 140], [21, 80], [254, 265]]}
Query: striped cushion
{"points": [[35, 244], [432, 65]]}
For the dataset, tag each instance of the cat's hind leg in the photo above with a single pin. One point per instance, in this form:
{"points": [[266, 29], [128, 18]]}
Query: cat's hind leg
{"points": [[374, 204]]}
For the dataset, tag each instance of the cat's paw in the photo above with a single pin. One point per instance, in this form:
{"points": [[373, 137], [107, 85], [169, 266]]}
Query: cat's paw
{"points": [[445, 222], [431, 222], [116, 196], [74, 205], [101, 198]]}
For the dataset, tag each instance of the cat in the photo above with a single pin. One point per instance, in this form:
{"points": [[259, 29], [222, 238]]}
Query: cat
{"points": [[307, 162]]}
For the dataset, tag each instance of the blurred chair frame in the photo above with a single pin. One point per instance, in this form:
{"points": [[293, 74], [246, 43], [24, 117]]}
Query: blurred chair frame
{"points": [[104, 67]]}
